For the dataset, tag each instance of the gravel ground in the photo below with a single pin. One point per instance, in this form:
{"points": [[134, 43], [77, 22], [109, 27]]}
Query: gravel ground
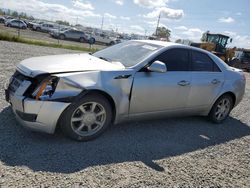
{"points": [[28, 33], [178, 152]]}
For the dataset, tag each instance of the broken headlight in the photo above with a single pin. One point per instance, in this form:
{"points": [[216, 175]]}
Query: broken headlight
{"points": [[46, 89]]}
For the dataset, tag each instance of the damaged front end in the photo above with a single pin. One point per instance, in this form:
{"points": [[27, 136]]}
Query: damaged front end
{"points": [[38, 102]]}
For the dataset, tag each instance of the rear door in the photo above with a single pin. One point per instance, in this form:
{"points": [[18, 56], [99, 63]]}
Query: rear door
{"points": [[74, 34], [207, 80]]}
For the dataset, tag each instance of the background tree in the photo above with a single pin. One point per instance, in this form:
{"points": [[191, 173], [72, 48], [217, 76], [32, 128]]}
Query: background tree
{"points": [[15, 14], [62, 22], [163, 32]]}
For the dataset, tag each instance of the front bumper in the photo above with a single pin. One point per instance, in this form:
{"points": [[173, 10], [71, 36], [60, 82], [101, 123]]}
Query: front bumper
{"points": [[33, 114]]}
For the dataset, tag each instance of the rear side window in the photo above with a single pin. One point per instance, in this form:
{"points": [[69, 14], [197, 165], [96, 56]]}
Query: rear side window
{"points": [[201, 62], [175, 59]]}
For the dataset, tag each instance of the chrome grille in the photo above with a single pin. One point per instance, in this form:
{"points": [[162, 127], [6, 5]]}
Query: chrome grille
{"points": [[16, 81]]}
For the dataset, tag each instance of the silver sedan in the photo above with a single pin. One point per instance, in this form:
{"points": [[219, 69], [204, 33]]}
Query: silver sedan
{"points": [[84, 93]]}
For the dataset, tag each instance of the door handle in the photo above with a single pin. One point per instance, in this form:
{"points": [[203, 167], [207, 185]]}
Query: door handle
{"points": [[183, 83], [215, 81]]}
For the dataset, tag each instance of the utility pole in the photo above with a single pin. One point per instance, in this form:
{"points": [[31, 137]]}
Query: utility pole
{"points": [[76, 20], [102, 21], [158, 22]]}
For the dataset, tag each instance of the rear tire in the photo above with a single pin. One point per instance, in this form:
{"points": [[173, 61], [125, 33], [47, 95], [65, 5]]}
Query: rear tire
{"points": [[62, 37], [82, 40], [87, 119], [221, 109]]}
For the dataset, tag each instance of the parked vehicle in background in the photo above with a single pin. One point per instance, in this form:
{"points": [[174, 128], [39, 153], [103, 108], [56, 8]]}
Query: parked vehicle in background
{"points": [[16, 23], [242, 59], [244, 56], [102, 38], [33, 22], [28, 23], [2, 19], [9, 18], [70, 34], [85, 93], [45, 27]]}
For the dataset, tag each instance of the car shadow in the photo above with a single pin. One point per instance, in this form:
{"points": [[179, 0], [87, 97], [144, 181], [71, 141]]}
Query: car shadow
{"points": [[136, 141]]}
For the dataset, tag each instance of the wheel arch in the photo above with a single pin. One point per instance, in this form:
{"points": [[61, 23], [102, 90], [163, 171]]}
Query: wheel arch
{"points": [[229, 93], [224, 93], [107, 96], [89, 92]]}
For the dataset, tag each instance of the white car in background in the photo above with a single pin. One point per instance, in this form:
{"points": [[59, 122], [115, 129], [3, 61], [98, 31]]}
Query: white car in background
{"points": [[45, 27], [16, 23], [102, 38]]}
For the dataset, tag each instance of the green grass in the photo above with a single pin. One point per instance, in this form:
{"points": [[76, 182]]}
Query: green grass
{"points": [[13, 38]]}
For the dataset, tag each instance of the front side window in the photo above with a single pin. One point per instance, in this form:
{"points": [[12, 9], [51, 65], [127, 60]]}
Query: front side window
{"points": [[175, 59], [201, 62]]}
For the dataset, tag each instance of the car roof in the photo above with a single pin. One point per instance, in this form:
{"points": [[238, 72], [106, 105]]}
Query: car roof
{"points": [[160, 43], [172, 44]]}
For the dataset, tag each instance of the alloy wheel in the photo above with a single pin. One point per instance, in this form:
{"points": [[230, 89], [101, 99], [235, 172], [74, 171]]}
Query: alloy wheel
{"points": [[88, 118], [222, 109]]}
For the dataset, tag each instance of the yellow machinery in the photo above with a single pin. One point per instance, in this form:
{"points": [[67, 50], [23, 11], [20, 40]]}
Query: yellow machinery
{"points": [[216, 43]]}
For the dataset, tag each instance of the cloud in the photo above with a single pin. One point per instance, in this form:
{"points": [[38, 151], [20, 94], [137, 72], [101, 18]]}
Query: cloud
{"points": [[226, 20], [193, 34], [241, 41], [124, 18], [238, 13], [107, 15], [42, 10], [119, 2], [166, 13], [230, 33], [82, 5], [151, 3], [181, 28], [137, 27]]}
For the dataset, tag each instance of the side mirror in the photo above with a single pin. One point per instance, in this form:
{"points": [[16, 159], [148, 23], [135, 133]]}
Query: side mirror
{"points": [[231, 40], [157, 66]]}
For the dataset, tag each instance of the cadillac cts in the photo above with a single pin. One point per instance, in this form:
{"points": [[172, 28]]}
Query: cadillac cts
{"points": [[84, 93]]}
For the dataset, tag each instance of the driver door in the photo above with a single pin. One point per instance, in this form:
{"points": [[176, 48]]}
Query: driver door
{"points": [[163, 92]]}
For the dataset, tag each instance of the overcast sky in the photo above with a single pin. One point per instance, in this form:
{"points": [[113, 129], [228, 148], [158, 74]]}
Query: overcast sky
{"points": [[187, 19]]}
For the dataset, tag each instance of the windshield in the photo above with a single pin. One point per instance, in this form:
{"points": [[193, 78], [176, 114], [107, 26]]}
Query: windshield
{"points": [[128, 53], [213, 38]]}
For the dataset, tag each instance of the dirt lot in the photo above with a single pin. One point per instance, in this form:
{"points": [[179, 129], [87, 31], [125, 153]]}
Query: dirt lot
{"points": [[178, 152], [30, 34]]}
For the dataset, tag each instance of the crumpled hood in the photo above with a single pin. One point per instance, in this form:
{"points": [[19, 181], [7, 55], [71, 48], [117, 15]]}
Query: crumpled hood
{"points": [[65, 63]]}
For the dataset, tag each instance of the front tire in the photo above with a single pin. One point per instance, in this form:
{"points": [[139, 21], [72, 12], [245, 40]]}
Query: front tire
{"points": [[221, 109], [111, 43], [87, 119]]}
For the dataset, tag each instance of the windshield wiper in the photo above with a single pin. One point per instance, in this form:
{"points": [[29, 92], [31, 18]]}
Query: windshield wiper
{"points": [[105, 59]]}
